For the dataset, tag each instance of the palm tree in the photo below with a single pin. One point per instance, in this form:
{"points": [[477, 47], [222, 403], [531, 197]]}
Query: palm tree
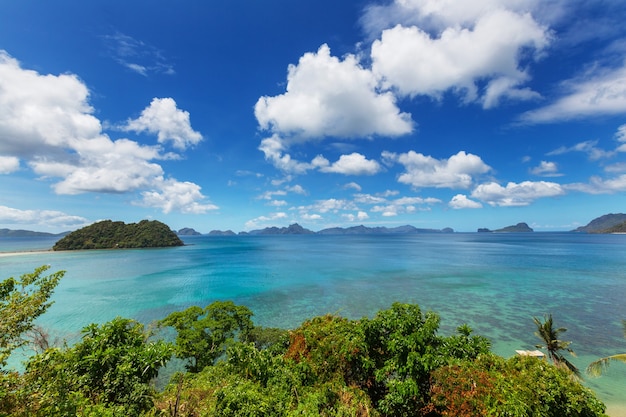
{"points": [[596, 368], [554, 346]]}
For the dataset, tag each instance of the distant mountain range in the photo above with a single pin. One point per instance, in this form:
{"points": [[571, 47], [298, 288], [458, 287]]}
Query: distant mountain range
{"points": [[28, 233], [296, 229], [608, 223]]}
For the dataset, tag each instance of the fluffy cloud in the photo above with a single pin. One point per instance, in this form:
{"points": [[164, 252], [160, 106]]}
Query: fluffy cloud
{"points": [[46, 120], [46, 218], [332, 205], [274, 150], [436, 15], [42, 115], [9, 164], [105, 166], [460, 201], [174, 195], [514, 194], [360, 216], [595, 93], [412, 61], [393, 207], [353, 164], [546, 169], [426, 171], [257, 222], [327, 96], [169, 123]]}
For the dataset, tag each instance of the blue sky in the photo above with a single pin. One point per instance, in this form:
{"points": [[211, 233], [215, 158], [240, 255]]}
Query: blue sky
{"points": [[243, 114]]}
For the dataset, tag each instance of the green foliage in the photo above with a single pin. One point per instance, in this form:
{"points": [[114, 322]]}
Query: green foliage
{"points": [[202, 334], [332, 367], [269, 337], [109, 369], [404, 348], [330, 347], [108, 234], [21, 302], [517, 387]]}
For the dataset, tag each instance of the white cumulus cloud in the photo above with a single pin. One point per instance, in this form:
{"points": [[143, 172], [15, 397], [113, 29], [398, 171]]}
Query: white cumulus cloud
{"points": [[9, 164], [47, 122], [327, 96], [163, 118], [352, 164], [274, 150], [172, 195], [458, 171], [460, 201], [257, 222], [516, 194], [461, 56], [42, 114], [546, 169]]}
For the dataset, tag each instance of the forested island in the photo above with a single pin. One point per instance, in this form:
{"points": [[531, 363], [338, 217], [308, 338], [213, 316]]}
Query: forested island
{"points": [[108, 234], [394, 364], [517, 228]]}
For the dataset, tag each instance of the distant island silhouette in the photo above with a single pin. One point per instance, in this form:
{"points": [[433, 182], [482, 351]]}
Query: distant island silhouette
{"points": [[608, 223], [518, 228]]}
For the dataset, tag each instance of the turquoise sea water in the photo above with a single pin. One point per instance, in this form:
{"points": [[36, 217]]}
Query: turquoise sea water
{"points": [[494, 282]]}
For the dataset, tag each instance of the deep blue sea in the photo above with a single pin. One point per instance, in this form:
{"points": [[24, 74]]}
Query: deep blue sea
{"points": [[495, 283]]}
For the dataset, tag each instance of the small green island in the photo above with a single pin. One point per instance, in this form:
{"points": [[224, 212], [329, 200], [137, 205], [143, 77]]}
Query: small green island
{"points": [[108, 234]]}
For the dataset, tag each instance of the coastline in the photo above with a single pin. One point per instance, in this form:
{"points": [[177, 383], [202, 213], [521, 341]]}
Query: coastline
{"points": [[24, 252], [616, 410], [99, 277]]}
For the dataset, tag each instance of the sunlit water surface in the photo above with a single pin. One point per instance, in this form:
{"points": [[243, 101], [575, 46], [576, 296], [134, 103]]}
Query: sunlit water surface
{"points": [[494, 282]]}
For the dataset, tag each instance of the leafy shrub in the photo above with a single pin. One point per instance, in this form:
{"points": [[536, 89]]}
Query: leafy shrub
{"points": [[110, 368]]}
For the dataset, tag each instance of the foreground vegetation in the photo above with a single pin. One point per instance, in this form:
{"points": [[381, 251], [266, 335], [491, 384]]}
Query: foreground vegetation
{"points": [[108, 234], [393, 364]]}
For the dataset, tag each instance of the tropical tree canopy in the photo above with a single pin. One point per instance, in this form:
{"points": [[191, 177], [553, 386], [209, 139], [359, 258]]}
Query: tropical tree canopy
{"points": [[551, 342], [21, 302]]}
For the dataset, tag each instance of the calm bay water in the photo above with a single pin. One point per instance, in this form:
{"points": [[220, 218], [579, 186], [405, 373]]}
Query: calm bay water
{"points": [[494, 282]]}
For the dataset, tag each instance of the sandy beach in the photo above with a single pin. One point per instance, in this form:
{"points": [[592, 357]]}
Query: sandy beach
{"points": [[616, 410], [21, 253]]}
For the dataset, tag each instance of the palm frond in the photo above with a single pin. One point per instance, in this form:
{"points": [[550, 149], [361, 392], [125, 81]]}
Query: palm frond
{"points": [[597, 367]]}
